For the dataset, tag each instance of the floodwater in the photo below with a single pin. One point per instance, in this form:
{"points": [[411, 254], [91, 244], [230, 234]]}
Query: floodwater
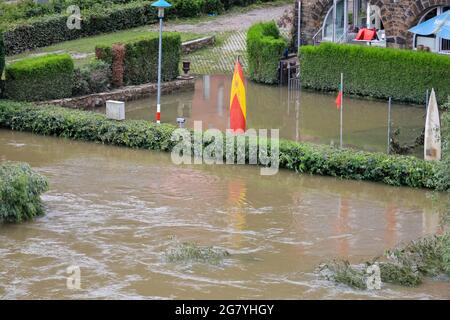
{"points": [[301, 116], [113, 212]]}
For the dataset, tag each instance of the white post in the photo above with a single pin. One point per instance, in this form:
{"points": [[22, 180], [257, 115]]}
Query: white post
{"points": [[334, 19], [342, 107], [299, 20], [389, 126], [368, 15], [158, 102]]}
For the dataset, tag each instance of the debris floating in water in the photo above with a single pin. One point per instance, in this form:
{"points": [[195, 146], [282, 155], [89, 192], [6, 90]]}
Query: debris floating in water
{"points": [[191, 252]]}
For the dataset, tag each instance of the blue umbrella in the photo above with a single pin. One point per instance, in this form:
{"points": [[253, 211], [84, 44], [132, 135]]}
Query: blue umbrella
{"points": [[439, 25]]}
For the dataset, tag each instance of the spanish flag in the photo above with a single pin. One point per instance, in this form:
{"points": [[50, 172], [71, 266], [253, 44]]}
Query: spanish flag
{"points": [[238, 105]]}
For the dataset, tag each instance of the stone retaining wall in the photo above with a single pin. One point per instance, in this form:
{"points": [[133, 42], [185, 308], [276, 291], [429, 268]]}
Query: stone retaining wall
{"points": [[197, 44], [129, 93]]}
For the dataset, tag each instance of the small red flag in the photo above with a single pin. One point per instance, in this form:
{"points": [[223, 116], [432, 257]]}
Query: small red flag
{"points": [[339, 98]]}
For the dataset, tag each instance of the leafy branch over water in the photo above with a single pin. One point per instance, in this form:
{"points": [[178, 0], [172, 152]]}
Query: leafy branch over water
{"points": [[191, 252]]}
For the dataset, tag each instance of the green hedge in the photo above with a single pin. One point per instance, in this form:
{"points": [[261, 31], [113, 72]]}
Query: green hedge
{"points": [[301, 157], [404, 75], [20, 190], [265, 48], [141, 58], [40, 25], [40, 78]]}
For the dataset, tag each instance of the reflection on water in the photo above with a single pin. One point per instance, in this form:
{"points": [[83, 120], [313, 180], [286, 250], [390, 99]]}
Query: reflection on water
{"points": [[307, 116], [113, 212]]}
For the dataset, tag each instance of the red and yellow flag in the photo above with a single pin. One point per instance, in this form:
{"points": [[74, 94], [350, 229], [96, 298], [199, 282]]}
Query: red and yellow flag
{"points": [[238, 105]]}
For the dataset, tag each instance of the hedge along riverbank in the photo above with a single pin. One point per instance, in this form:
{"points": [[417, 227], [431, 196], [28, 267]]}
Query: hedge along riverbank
{"points": [[139, 62], [404, 75], [20, 191], [40, 78], [301, 157], [97, 17], [265, 47]]}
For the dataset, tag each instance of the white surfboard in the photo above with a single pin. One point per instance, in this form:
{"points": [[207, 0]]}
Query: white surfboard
{"points": [[432, 144]]}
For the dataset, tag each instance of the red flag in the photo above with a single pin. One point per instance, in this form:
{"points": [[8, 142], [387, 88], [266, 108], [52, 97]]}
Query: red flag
{"points": [[339, 98]]}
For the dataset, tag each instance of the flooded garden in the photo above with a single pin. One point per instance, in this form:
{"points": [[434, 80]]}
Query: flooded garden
{"points": [[299, 115]]}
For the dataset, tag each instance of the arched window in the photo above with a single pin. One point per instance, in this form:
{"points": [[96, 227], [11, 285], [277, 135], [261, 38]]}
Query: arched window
{"points": [[435, 44]]}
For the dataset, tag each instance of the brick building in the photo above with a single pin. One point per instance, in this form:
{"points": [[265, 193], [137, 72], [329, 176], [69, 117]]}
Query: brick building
{"points": [[319, 21]]}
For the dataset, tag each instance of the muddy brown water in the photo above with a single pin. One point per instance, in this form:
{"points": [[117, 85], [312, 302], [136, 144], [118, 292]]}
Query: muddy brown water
{"points": [[301, 116], [114, 212]]}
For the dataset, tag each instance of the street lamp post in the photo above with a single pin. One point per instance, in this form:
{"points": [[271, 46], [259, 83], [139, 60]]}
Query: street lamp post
{"points": [[160, 5]]}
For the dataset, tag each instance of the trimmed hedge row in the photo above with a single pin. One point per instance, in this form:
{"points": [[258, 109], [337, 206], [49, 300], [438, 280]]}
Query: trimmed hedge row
{"points": [[301, 157], [40, 78], [20, 190], [265, 48], [44, 30], [404, 75], [141, 58]]}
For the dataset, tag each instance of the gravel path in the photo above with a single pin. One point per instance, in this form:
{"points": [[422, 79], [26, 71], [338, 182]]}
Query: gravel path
{"points": [[230, 21]]}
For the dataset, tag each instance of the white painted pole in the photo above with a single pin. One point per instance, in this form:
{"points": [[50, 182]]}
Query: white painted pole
{"points": [[389, 126], [299, 20], [158, 102], [342, 107]]}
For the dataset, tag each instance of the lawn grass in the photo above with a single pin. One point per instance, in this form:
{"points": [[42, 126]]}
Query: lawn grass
{"points": [[82, 50]]}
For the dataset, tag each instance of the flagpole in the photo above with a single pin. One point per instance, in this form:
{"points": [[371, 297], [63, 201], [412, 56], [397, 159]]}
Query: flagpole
{"points": [[342, 107]]}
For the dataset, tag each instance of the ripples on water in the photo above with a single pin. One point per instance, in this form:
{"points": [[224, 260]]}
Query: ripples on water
{"points": [[114, 212]]}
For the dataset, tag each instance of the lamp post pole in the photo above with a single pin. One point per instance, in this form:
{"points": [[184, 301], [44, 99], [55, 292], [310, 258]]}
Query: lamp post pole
{"points": [[160, 5]]}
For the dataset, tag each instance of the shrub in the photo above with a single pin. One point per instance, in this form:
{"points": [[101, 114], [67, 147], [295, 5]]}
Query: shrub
{"points": [[187, 8], [40, 78], [265, 48], [301, 157], [213, 6], [404, 75], [92, 78], [20, 190], [141, 58]]}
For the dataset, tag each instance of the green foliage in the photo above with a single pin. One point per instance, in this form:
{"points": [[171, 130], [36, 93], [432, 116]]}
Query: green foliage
{"points": [[265, 48], [405, 265], [424, 255], [141, 58], [343, 272], [40, 78], [213, 6], [404, 75], [32, 25], [191, 252], [301, 157], [2, 55], [92, 78], [359, 165], [403, 275], [20, 190]]}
